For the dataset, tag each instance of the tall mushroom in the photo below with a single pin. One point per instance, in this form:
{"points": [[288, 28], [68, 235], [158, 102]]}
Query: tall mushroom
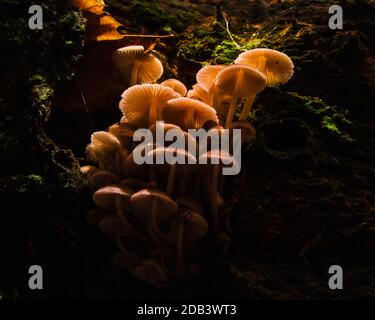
{"points": [[238, 81], [188, 113], [206, 76], [142, 104], [138, 65], [276, 66]]}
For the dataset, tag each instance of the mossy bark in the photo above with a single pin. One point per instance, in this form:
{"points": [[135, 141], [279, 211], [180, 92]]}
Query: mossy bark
{"points": [[303, 201]]}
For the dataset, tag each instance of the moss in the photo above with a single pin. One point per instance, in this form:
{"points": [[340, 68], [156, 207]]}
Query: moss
{"points": [[332, 120], [157, 16]]}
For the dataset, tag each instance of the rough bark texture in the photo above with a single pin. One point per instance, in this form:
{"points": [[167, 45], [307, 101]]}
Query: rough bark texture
{"points": [[303, 201]]}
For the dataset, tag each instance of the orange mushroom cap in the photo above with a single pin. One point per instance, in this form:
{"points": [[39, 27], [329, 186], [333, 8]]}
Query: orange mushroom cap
{"points": [[276, 66]]}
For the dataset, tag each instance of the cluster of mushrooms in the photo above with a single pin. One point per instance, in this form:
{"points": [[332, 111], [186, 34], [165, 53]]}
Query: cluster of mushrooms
{"points": [[158, 214]]}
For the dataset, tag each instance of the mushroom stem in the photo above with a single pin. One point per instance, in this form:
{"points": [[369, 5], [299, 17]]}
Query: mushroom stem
{"points": [[214, 181], [247, 107], [125, 222], [129, 256], [231, 111], [180, 266], [171, 175], [134, 75], [154, 230]]}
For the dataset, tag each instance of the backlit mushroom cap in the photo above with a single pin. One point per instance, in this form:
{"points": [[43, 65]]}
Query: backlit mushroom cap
{"points": [[105, 197], [141, 67], [124, 131], [218, 157], [188, 113], [251, 81], [276, 66], [102, 178], [176, 85], [248, 131], [207, 75], [166, 127], [143, 202], [198, 93], [142, 104], [103, 149], [88, 171]]}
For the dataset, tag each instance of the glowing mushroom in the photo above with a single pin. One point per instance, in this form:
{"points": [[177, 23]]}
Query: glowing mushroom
{"points": [[102, 178], [207, 75], [188, 113], [276, 66], [176, 85], [152, 206], [183, 164], [142, 104], [216, 158], [106, 149], [140, 66], [238, 81]]}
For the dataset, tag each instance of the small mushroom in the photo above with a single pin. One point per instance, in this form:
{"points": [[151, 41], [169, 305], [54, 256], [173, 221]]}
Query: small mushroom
{"points": [[116, 198], [152, 206], [175, 169], [191, 226], [150, 270], [102, 178], [105, 148], [238, 81], [216, 158], [140, 66], [124, 131], [198, 93], [276, 66], [207, 75], [88, 171], [142, 104], [176, 85], [188, 113]]}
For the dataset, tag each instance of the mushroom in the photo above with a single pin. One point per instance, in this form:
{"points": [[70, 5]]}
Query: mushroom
{"points": [[276, 66], [177, 155], [161, 137], [102, 178], [105, 148], [152, 205], [207, 75], [142, 104], [124, 131], [198, 93], [188, 113], [176, 85], [141, 66], [116, 198], [150, 270], [238, 81], [191, 226], [216, 158], [88, 171]]}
